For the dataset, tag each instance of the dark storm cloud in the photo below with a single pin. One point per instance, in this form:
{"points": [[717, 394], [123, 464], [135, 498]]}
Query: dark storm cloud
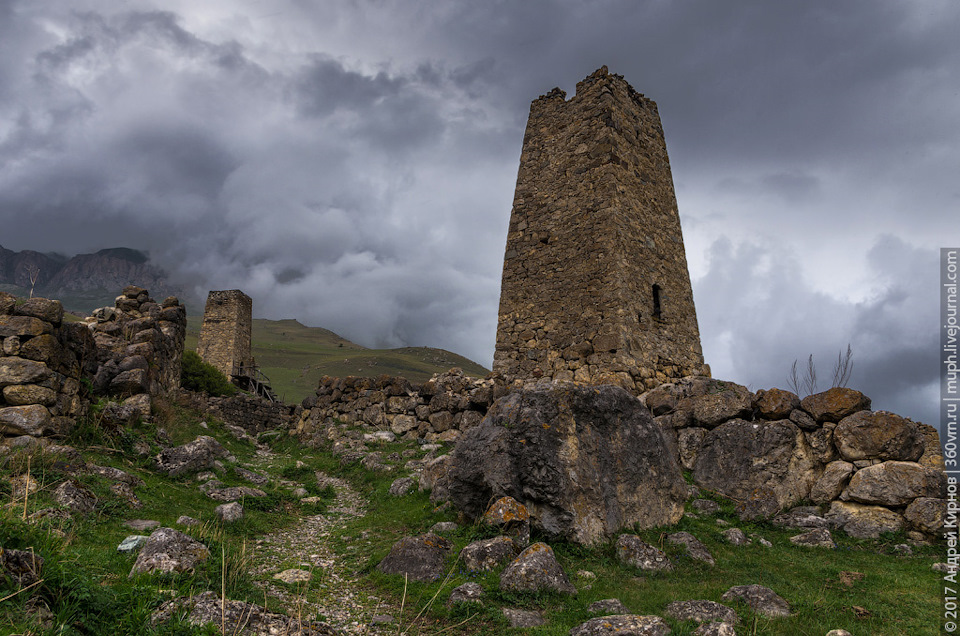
{"points": [[761, 315], [351, 164]]}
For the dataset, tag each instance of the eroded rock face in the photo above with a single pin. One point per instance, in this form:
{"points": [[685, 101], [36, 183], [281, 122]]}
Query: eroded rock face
{"points": [[740, 458], [420, 558], [878, 435], [585, 460], [169, 551]]}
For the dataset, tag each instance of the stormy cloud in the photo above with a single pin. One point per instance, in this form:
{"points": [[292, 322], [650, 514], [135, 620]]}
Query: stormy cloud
{"points": [[351, 164]]}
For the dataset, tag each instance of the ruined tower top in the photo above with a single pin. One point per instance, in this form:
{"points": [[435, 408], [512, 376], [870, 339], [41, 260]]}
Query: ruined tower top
{"points": [[225, 335], [595, 282]]}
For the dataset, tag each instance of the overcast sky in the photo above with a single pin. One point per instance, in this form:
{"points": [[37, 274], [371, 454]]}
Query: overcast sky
{"points": [[351, 163]]}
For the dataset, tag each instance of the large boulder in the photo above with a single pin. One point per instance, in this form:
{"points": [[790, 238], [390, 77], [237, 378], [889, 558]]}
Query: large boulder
{"points": [[739, 459], [895, 484], [585, 460], [878, 435], [776, 404], [832, 482], [927, 514], [835, 404], [32, 419], [725, 401]]}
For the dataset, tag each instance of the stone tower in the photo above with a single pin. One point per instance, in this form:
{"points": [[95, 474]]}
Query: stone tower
{"points": [[595, 282], [225, 335]]}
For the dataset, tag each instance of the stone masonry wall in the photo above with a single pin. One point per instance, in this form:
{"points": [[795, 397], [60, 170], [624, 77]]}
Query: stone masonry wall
{"points": [[873, 471], [438, 410], [595, 284], [128, 352], [225, 335], [253, 414]]}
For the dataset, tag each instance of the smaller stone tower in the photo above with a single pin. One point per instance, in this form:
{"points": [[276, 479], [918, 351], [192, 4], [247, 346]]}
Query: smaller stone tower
{"points": [[225, 335]]}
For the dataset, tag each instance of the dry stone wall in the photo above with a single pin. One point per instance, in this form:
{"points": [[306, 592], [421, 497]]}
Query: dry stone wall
{"points": [[873, 471], [253, 414], [50, 369], [595, 283], [438, 410]]}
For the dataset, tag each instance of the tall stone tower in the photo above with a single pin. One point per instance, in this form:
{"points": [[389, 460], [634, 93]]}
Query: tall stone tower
{"points": [[595, 282], [225, 335]]}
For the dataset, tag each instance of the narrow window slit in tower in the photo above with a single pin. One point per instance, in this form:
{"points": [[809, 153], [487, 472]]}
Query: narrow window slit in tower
{"points": [[657, 313]]}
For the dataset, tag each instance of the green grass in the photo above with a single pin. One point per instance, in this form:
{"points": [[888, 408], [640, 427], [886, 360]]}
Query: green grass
{"points": [[86, 584]]}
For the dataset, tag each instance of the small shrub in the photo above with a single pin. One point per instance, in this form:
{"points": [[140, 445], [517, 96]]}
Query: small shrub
{"points": [[197, 375]]}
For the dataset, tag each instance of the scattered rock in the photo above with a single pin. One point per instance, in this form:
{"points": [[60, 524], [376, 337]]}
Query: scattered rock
{"points": [[169, 551], [73, 495], [421, 558], [622, 625], [132, 543], [607, 606], [488, 554], [762, 600], [523, 448], [293, 575], [401, 486], [238, 618], [22, 566], [694, 548], [523, 618], [125, 492], [701, 611], [715, 629], [444, 526], [536, 570], [229, 512], [735, 536], [251, 476], [195, 456], [511, 517], [632, 550], [23, 484], [114, 474], [142, 525], [234, 493], [817, 538], [467, 593], [184, 520]]}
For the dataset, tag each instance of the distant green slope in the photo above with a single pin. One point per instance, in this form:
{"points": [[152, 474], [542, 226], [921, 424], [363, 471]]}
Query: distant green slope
{"points": [[295, 357]]}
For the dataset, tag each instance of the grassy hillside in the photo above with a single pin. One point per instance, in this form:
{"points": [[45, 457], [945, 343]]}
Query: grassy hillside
{"points": [[295, 357]]}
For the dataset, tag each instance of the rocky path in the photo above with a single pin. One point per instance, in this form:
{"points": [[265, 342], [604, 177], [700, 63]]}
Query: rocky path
{"points": [[332, 597]]}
